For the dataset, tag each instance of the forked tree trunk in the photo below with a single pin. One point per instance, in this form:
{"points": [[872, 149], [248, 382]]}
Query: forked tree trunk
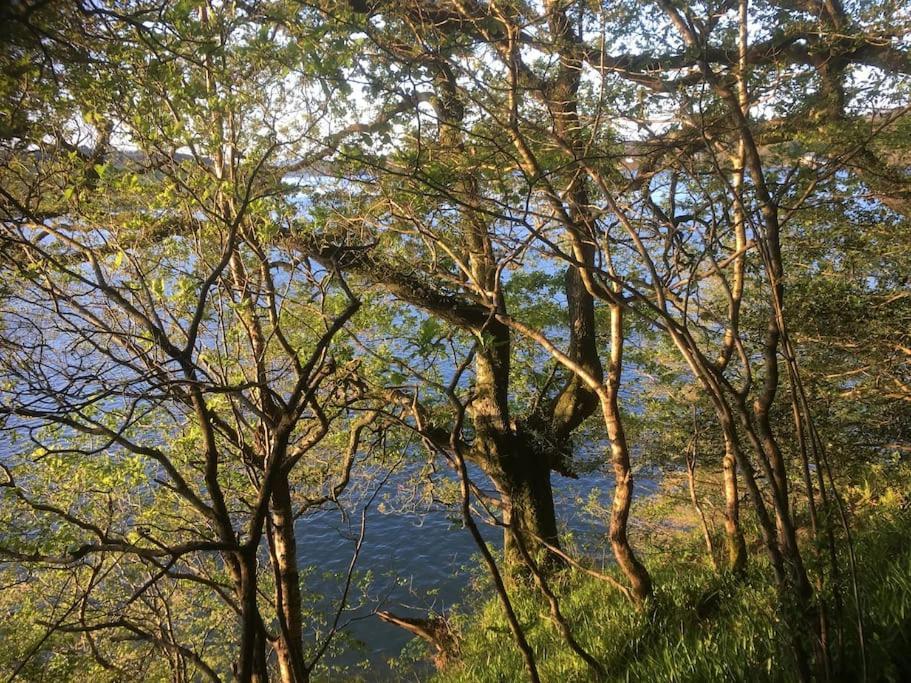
{"points": [[520, 472]]}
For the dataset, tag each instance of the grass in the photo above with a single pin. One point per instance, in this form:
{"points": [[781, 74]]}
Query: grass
{"points": [[702, 626]]}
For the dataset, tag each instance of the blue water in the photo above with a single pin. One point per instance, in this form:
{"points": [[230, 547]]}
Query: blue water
{"points": [[420, 558]]}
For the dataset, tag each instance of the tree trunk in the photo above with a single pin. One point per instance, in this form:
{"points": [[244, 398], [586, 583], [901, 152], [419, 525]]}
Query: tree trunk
{"points": [[761, 408], [283, 548], [526, 487], [635, 571], [251, 666], [735, 547], [520, 471]]}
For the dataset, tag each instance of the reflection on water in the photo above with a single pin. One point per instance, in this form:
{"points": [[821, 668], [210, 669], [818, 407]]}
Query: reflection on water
{"points": [[419, 561]]}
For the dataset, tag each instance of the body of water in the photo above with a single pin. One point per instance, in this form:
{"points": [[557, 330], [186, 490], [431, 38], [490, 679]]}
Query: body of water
{"points": [[420, 561]]}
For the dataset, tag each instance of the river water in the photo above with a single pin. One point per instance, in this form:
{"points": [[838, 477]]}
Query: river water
{"points": [[419, 559]]}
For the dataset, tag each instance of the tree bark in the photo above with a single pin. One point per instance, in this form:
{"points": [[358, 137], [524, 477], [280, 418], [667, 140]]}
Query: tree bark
{"points": [[251, 665], [530, 511], [635, 571], [735, 547], [283, 549]]}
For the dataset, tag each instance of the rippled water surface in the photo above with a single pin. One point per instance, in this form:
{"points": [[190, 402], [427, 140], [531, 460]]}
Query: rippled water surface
{"points": [[418, 560]]}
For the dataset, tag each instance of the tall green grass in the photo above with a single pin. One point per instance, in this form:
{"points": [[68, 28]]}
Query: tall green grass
{"points": [[701, 626]]}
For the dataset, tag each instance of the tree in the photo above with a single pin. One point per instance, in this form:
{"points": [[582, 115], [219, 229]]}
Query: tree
{"points": [[236, 238], [522, 73], [167, 373]]}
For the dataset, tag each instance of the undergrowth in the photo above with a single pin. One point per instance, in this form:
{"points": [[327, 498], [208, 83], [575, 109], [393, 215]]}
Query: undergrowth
{"points": [[705, 626]]}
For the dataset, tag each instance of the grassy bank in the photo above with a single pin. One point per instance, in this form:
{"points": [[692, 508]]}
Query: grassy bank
{"points": [[702, 626]]}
